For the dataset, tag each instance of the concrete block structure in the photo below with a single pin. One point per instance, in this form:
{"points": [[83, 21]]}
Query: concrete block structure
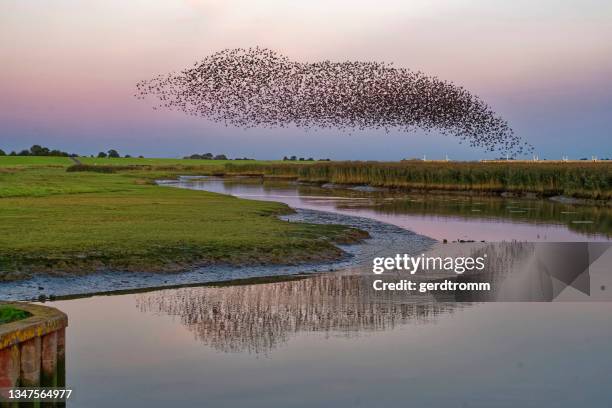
{"points": [[33, 350]]}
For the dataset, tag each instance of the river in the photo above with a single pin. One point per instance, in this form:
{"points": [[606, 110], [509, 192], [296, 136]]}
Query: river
{"points": [[315, 340]]}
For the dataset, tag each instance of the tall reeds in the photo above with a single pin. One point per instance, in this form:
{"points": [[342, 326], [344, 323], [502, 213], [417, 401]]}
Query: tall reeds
{"points": [[583, 180]]}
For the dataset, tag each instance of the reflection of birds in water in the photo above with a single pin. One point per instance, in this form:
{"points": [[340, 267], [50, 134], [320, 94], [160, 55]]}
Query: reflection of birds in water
{"points": [[257, 318], [259, 87]]}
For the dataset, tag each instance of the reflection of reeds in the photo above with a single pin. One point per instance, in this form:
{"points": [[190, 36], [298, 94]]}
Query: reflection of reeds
{"points": [[599, 217], [257, 318], [588, 180], [586, 219]]}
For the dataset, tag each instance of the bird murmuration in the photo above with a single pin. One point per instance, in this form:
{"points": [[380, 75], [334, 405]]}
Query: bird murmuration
{"points": [[258, 87]]}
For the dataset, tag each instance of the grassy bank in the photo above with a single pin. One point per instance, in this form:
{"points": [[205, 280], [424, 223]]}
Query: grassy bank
{"points": [[59, 222]]}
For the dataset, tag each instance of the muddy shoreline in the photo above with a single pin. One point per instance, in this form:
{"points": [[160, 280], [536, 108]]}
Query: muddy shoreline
{"points": [[384, 239]]}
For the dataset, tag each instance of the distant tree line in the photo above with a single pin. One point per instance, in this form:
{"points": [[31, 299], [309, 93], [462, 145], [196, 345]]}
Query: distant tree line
{"points": [[294, 158], [38, 150], [113, 154], [206, 156], [210, 156]]}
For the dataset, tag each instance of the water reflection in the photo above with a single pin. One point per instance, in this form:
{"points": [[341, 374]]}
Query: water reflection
{"points": [[257, 318], [258, 315], [436, 215], [586, 219]]}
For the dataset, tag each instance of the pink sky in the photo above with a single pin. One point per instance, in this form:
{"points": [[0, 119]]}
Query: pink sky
{"points": [[69, 69]]}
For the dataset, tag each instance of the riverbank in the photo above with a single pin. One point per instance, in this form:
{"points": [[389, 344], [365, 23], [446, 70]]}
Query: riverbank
{"points": [[384, 239], [60, 223]]}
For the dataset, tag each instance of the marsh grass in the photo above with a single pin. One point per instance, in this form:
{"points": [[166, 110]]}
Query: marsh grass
{"points": [[591, 180], [583, 180], [59, 222]]}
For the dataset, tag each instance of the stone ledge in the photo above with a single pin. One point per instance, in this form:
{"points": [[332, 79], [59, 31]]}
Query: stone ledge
{"points": [[44, 320]]}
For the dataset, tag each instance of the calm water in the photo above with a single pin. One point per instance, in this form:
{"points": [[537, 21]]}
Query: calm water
{"points": [[318, 341], [437, 216]]}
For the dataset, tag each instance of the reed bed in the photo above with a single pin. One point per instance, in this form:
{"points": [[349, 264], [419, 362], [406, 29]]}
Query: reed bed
{"points": [[591, 180]]}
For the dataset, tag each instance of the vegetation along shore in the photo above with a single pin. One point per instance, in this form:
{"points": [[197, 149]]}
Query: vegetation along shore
{"points": [[579, 179], [76, 215], [64, 223]]}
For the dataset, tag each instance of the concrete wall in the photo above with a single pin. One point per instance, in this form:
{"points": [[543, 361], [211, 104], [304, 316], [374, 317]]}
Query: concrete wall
{"points": [[33, 350]]}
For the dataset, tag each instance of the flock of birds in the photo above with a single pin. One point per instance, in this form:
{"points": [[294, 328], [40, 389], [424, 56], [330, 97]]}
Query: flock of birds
{"points": [[259, 87]]}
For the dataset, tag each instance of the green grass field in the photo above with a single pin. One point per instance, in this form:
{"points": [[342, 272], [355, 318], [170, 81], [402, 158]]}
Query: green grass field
{"points": [[21, 161], [26, 161], [163, 162], [59, 222]]}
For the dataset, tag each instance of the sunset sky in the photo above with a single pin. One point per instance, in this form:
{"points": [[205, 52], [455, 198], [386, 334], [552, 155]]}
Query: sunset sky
{"points": [[68, 70]]}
